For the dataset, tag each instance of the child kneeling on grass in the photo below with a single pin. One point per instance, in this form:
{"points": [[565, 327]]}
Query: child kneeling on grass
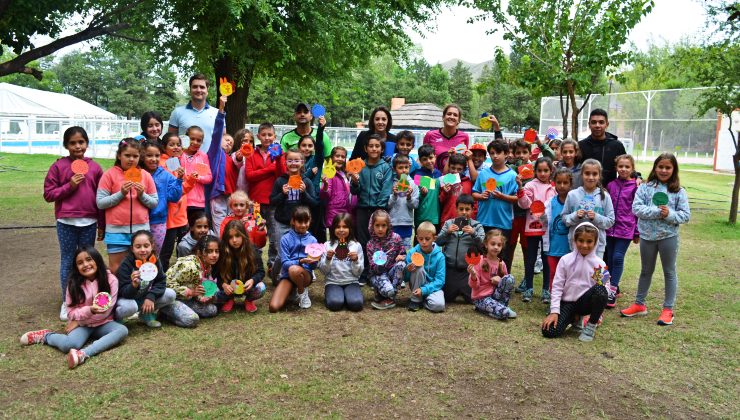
{"points": [[427, 279]]}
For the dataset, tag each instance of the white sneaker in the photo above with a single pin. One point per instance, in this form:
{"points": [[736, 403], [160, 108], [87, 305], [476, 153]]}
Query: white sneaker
{"points": [[63, 313], [538, 265], [305, 301]]}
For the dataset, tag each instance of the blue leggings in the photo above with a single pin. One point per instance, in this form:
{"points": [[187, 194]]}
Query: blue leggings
{"points": [[70, 238], [106, 336], [616, 249], [337, 297]]}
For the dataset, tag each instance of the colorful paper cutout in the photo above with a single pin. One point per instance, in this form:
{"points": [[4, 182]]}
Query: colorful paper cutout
{"points": [[238, 286], [472, 257], [103, 300], [318, 111], [403, 183], [525, 171], [428, 183], [354, 166], [172, 164], [660, 198], [329, 170], [79, 167], [225, 86], [148, 271], [202, 169], [537, 208], [460, 148], [341, 251], [132, 174], [210, 287], [417, 259], [530, 136], [588, 203], [461, 222], [247, 149], [315, 250], [274, 150], [294, 182], [380, 257], [552, 133], [417, 179], [485, 123], [451, 179], [491, 184]]}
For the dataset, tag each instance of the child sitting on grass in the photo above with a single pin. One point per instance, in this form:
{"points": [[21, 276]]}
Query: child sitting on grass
{"points": [[427, 279], [489, 281]]}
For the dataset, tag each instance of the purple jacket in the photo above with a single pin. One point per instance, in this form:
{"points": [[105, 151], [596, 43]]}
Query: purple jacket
{"points": [[68, 202], [625, 222], [335, 194]]}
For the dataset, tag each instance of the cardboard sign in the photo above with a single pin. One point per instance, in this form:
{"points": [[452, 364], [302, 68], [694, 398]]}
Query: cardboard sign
{"points": [[172, 164], [315, 250], [380, 257], [238, 286], [210, 288], [318, 111], [525, 171], [202, 169], [329, 170], [294, 182], [537, 208], [530, 136], [247, 149], [226, 87], [103, 300], [354, 166], [79, 167], [274, 150], [132, 174], [660, 198], [428, 183], [417, 259], [403, 183], [485, 123], [491, 184], [451, 179]]}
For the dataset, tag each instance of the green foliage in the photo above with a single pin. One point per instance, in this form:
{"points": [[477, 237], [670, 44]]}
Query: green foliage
{"points": [[499, 92], [50, 81], [24, 19], [461, 87]]}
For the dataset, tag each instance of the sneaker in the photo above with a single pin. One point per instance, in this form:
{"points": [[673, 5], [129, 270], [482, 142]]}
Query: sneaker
{"points": [[612, 300], [75, 358], [588, 332], [413, 306], [227, 306], [577, 325], [63, 313], [635, 309], [384, 304], [666, 317], [402, 285], [538, 266], [250, 307], [305, 301], [585, 319], [545, 296], [510, 314], [527, 295], [34, 337], [150, 320], [522, 287]]}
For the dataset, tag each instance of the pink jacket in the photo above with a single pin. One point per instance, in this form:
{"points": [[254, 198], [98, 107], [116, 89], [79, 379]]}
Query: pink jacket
{"points": [[480, 283], [335, 194], [82, 313], [197, 196], [535, 190]]}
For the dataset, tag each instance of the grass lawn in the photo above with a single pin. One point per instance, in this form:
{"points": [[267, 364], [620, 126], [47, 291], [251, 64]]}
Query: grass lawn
{"points": [[381, 364]]}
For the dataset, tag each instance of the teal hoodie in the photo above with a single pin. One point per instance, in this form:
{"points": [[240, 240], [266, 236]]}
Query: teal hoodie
{"points": [[434, 266], [376, 184]]}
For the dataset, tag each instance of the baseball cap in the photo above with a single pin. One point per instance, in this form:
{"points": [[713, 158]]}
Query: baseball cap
{"points": [[477, 146], [302, 105]]}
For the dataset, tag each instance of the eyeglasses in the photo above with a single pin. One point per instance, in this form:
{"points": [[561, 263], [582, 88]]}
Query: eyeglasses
{"points": [[293, 161]]}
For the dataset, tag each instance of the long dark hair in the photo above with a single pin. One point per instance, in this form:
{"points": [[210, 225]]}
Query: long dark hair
{"points": [[674, 184], [244, 257], [371, 122], [74, 285], [345, 218], [145, 121], [71, 131]]}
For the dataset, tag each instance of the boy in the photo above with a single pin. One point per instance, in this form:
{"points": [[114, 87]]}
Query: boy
{"points": [[476, 161], [198, 229], [405, 141], [496, 208], [429, 202], [426, 282], [403, 200], [520, 156], [450, 192], [457, 236]]}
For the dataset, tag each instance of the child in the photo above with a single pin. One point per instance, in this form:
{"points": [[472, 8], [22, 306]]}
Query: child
{"points": [[555, 240], [190, 160], [177, 215], [244, 136], [476, 161], [570, 157], [405, 142], [169, 191], [126, 203], [428, 197], [590, 203], [658, 225], [239, 260], [403, 201], [313, 155], [385, 276], [296, 267], [489, 282], [426, 281], [450, 192], [224, 168], [373, 187], [335, 192], [260, 173], [77, 215], [459, 235], [187, 275], [248, 213], [521, 155], [622, 191], [138, 295], [86, 319], [495, 208], [555, 146], [198, 229], [579, 287], [539, 190], [342, 265]]}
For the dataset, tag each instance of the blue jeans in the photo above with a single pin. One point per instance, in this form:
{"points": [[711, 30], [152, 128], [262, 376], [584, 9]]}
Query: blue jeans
{"points": [[336, 297], [616, 249], [649, 250], [70, 238], [106, 336]]}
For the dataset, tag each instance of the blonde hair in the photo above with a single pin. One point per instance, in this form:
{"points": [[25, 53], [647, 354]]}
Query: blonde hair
{"points": [[426, 227], [494, 233], [627, 157], [238, 195]]}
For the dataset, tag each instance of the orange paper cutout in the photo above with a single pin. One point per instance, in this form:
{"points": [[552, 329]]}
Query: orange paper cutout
{"points": [[526, 172], [417, 259], [202, 169], [354, 166], [132, 174], [226, 87], [294, 182], [79, 167], [247, 149], [491, 184], [538, 207], [530, 136]]}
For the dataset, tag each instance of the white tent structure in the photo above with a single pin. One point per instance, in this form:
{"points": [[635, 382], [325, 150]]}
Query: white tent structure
{"points": [[18, 101]]}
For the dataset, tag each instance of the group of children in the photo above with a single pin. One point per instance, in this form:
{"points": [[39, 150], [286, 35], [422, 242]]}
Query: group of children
{"points": [[465, 223]]}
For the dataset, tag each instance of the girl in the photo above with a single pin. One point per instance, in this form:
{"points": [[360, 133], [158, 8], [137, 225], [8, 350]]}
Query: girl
{"points": [[386, 276], [151, 126], [297, 269], [247, 212], [198, 229], [489, 281], [177, 216], [136, 294], [539, 190], [335, 191], [126, 203], [243, 136], [579, 287], [555, 239], [555, 147], [187, 275], [313, 154], [342, 265], [194, 158], [86, 318], [169, 191], [372, 186], [658, 222], [590, 203], [570, 157], [73, 195], [618, 237], [239, 260]]}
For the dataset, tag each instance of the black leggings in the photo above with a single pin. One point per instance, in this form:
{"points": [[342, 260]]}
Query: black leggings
{"points": [[590, 303], [456, 284], [173, 236]]}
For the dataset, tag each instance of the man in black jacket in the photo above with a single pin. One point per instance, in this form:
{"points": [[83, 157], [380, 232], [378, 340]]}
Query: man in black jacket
{"points": [[602, 146]]}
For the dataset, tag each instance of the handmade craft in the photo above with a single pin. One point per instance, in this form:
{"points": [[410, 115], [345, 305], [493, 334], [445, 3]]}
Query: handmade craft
{"points": [[294, 182], [537, 208], [79, 167], [354, 166], [315, 250], [485, 123], [247, 149], [103, 300], [132, 174], [530, 136], [225, 86], [274, 150], [460, 148], [329, 170], [238, 286], [341, 251], [172, 164], [451, 179], [660, 198], [210, 287], [490, 184], [525, 171], [380, 257], [552, 133], [472, 257], [201, 168], [427, 182], [417, 259], [318, 111], [403, 183]]}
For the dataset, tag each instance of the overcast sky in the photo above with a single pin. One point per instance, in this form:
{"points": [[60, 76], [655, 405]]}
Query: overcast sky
{"points": [[453, 37]]}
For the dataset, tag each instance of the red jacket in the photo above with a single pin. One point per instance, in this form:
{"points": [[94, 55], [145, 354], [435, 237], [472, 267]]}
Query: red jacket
{"points": [[260, 172], [447, 200]]}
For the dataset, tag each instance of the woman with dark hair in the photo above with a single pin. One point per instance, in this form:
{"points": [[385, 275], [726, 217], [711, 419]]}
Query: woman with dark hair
{"points": [[447, 137], [380, 123], [151, 126]]}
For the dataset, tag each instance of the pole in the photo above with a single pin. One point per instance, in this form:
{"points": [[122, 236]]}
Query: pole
{"points": [[649, 98]]}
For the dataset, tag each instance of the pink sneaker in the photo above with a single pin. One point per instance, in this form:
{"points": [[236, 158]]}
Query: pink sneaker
{"points": [[249, 306], [34, 337], [75, 358]]}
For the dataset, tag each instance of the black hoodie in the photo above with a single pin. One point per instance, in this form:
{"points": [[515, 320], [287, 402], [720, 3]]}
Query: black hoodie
{"points": [[605, 151]]}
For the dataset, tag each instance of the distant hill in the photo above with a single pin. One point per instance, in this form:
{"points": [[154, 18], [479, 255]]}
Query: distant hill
{"points": [[475, 69]]}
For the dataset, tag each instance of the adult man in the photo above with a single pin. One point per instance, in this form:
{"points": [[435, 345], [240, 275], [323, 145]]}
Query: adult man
{"points": [[196, 112], [602, 146], [303, 119]]}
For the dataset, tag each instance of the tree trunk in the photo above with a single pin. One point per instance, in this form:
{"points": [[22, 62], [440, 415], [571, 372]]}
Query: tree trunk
{"points": [[574, 109], [236, 106], [564, 114], [735, 188]]}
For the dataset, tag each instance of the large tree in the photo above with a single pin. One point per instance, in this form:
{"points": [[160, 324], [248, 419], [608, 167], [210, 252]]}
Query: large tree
{"points": [[461, 87], [567, 45]]}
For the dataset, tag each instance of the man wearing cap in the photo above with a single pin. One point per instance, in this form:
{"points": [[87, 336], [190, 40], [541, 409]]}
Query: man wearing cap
{"points": [[196, 112], [303, 120]]}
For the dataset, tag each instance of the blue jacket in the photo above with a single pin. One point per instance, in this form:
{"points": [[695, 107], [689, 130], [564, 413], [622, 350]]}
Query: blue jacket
{"points": [[169, 189], [375, 185], [292, 249], [434, 266], [649, 223], [217, 160]]}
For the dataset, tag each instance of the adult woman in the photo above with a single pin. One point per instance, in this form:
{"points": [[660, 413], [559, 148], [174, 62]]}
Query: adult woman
{"points": [[151, 126], [380, 124], [448, 136]]}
